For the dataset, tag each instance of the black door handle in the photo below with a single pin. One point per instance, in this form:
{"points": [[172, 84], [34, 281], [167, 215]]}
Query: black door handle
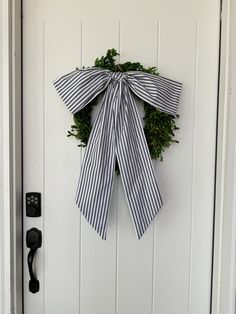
{"points": [[33, 242]]}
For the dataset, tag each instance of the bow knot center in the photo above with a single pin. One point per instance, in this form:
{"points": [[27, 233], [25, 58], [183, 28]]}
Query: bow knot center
{"points": [[116, 77]]}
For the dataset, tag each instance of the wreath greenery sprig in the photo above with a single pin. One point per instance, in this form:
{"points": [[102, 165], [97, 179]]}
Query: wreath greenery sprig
{"points": [[159, 127]]}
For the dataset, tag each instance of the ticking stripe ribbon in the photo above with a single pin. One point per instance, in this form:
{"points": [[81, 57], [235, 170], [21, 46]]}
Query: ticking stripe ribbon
{"points": [[117, 133]]}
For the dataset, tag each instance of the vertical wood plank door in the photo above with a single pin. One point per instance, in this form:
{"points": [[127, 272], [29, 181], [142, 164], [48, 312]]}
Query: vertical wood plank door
{"points": [[168, 271]]}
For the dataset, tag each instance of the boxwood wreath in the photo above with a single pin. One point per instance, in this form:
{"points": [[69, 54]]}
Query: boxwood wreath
{"points": [[159, 127]]}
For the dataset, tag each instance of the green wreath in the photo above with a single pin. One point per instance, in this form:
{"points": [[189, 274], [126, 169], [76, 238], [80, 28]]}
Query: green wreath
{"points": [[159, 127]]}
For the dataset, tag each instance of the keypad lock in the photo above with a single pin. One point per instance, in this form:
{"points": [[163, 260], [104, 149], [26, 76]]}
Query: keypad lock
{"points": [[33, 204]]}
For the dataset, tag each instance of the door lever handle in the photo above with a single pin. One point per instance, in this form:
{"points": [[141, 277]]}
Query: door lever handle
{"points": [[33, 242]]}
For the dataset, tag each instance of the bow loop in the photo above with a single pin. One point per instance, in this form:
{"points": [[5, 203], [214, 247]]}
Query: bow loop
{"points": [[160, 92], [80, 87]]}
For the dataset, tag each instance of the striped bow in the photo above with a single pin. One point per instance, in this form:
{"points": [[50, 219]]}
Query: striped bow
{"points": [[117, 133]]}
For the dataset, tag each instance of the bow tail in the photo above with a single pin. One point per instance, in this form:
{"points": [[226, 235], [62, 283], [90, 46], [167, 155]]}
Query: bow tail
{"points": [[97, 172], [136, 167]]}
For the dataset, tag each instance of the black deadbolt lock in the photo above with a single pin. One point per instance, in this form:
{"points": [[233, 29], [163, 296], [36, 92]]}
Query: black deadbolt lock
{"points": [[33, 204]]}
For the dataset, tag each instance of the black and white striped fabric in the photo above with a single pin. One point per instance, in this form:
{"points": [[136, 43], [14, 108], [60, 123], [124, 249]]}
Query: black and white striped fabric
{"points": [[117, 133]]}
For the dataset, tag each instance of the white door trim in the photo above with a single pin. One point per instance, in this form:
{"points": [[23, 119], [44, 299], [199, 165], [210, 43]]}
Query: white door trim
{"points": [[5, 272], [224, 266], [223, 285], [10, 187]]}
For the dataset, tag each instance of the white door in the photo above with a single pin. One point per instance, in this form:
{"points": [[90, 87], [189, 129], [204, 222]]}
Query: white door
{"points": [[168, 271]]}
